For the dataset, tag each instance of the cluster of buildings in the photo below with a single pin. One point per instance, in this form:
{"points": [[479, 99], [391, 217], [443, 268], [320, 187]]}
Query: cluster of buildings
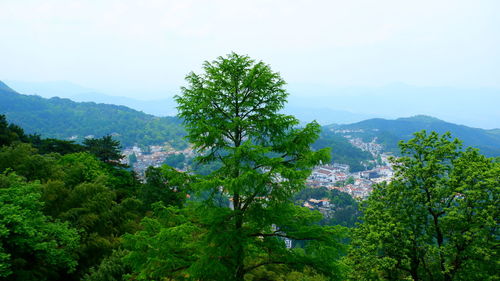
{"points": [[358, 184], [156, 155], [327, 174], [331, 176], [373, 147]]}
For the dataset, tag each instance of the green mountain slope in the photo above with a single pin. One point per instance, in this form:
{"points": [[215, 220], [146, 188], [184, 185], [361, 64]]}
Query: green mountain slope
{"points": [[389, 132], [63, 118], [342, 151], [5, 89]]}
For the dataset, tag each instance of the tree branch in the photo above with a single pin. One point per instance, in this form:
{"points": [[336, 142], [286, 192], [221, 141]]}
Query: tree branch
{"points": [[250, 268]]}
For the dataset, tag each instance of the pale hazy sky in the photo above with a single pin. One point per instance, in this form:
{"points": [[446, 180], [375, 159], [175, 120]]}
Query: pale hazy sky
{"points": [[143, 47]]}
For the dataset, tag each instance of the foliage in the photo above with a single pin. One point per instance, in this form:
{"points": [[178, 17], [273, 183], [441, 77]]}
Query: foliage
{"points": [[46, 146], [170, 241], [80, 167], [9, 133], [111, 268], [164, 184], [315, 193], [344, 209], [175, 160], [438, 220], [164, 247], [281, 273], [23, 158], [204, 169], [84, 198], [105, 149], [91, 196], [32, 245]]}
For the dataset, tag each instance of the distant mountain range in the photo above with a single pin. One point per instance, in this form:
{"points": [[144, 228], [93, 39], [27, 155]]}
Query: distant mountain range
{"points": [[473, 107], [167, 106], [323, 103], [389, 132], [65, 119]]}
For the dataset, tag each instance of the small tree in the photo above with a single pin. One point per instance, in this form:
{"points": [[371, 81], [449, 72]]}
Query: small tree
{"points": [[10, 133], [438, 219], [106, 149]]}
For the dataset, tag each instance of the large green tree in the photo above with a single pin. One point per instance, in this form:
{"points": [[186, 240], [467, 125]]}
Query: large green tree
{"points": [[232, 115], [438, 219]]}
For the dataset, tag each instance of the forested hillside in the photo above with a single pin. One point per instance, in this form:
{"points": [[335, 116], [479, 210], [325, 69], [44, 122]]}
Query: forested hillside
{"points": [[390, 132], [63, 118], [342, 151]]}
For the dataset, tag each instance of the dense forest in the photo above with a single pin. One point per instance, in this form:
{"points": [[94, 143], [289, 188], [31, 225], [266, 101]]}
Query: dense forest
{"points": [[71, 211]]}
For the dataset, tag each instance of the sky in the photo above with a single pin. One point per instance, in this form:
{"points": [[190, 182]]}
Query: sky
{"points": [[144, 49]]}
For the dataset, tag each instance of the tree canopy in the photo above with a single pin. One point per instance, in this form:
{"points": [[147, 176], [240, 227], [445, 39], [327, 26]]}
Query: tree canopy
{"points": [[106, 148], [33, 246], [437, 220]]}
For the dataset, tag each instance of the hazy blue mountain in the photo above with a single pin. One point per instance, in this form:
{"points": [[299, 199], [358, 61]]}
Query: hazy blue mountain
{"points": [[64, 118], [324, 115], [48, 89], [474, 107], [5, 89], [64, 89], [389, 132], [494, 131], [164, 107]]}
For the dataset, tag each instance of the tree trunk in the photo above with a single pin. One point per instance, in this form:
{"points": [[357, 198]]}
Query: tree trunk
{"points": [[239, 251]]}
